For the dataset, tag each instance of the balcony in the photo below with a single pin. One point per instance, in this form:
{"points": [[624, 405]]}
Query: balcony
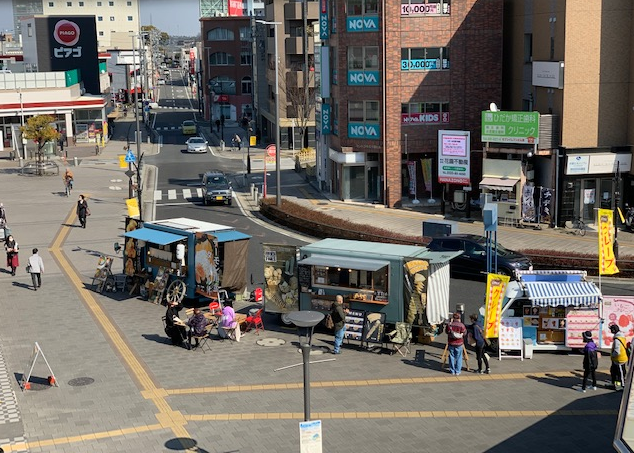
{"points": [[295, 46]]}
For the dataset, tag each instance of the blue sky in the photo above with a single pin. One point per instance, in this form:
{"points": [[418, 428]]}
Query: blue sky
{"points": [[176, 17]]}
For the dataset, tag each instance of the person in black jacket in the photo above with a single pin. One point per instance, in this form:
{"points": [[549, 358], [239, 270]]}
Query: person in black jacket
{"points": [[82, 210], [176, 333], [338, 315], [590, 361]]}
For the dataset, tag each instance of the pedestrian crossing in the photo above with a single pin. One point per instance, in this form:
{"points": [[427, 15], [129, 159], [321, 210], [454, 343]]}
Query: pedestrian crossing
{"points": [[167, 128], [178, 194]]}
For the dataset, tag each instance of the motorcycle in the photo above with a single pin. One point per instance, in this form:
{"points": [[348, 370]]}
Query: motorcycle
{"points": [[629, 218]]}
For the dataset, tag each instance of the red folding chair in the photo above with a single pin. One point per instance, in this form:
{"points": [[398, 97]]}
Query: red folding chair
{"points": [[215, 308], [255, 321]]}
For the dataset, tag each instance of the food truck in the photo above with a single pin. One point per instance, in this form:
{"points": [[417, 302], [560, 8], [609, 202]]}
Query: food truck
{"points": [[184, 257], [555, 307], [381, 283]]}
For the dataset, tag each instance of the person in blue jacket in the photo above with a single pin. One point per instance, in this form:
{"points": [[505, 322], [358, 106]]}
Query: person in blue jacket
{"points": [[478, 335], [590, 361]]}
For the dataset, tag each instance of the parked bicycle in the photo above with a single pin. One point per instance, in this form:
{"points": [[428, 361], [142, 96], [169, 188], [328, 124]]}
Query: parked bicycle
{"points": [[576, 226]]}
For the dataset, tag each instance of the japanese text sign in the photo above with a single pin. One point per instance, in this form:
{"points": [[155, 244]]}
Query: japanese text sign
{"points": [[607, 260], [454, 153], [510, 127], [495, 290]]}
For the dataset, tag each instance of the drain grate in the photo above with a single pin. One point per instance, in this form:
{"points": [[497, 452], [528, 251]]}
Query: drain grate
{"points": [[270, 342], [80, 381]]}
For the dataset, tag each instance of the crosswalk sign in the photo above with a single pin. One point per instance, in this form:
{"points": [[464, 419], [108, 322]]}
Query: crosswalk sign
{"points": [[129, 157]]}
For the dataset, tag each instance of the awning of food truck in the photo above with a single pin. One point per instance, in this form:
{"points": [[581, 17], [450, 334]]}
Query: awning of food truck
{"points": [[548, 294], [344, 262], [498, 183], [228, 236], [154, 236]]}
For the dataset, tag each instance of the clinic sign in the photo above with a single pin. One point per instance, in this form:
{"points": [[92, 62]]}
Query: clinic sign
{"points": [[325, 119], [454, 154], [363, 130], [362, 23], [363, 78], [324, 32], [510, 127]]}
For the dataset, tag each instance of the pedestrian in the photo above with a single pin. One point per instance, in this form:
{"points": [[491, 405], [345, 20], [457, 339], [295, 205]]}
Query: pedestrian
{"points": [[3, 216], [12, 249], [338, 315], [590, 361], [35, 267], [480, 344], [218, 125], [61, 144], [82, 210], [197, 324], [238, 141], [455, 332], [619, 358], [175, 330]]}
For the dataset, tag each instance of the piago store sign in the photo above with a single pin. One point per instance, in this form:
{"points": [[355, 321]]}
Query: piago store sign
{"points": [[365, 78], [362, 130], [362, 23]]}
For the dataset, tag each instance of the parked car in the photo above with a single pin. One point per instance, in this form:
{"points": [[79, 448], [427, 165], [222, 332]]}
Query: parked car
{"points": [[216, 188], [160, 81], [196, 145], [149, 104], [473, 261], [189, 127]]}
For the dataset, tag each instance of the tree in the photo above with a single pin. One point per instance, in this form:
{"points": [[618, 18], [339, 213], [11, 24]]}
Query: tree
{"points": [[302, 106], [40, 129]]}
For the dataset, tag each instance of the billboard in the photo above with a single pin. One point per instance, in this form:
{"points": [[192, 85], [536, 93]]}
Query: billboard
{"points": [[72, 43], [510, 127], [454, 154], [236, 8]]}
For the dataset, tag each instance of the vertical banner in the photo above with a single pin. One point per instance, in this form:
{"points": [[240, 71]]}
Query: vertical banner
{"points": [[325, 119], [425, 166], [495, 290], [607, 260], [324, 32], [206, 262], [411, 168], [528, 204], [416, 276]]}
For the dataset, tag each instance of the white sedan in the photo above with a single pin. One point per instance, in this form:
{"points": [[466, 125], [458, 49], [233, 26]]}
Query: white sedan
{"points": [[196, 145]]}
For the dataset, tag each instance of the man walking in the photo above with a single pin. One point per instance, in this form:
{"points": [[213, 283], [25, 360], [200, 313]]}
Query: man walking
{"points": [[338, 315], [36, 269], [455, 332], [619, 357]]}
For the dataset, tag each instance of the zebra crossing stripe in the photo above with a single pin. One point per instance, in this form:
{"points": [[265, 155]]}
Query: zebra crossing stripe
{"points": [[199, 192], [158, 195], [171, 194], [187, 193]]}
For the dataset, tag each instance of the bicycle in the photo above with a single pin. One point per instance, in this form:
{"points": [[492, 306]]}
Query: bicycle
{"points": [[576, 226]]}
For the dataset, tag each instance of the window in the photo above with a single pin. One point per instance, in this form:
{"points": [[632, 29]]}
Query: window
{"points": [[223, 85], [220, 34], [100, 33], [69, 4], [430, 113], [246, 58], [51, 4], [245, 33], [363, 111], [130, 19], [425, 59], [247, 86], [129, 3], [98, 3], [99, 18], [424, 7], [81, 3], [29, 30], [110, 3], [111, 18], [221, 59], [370, 281], [362, 7], [363, 58]]}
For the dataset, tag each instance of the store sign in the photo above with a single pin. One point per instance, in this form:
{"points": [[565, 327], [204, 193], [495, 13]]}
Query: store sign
{"points": [[362, 23], [548, 74], [617, 310], [363, 130], [363, 78], [325, 119], [454, 153], [577, 165], [419, 9], [323, 20], [510, 127], [236, 8], [608, 162], [424, 64], [607, 260], [408, 119]]}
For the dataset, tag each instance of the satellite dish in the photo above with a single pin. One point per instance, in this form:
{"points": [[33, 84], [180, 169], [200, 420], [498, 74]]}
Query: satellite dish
{"points": [[493, 107]]}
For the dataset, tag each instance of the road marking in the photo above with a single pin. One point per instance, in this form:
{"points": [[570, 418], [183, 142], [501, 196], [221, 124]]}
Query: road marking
{"points": [[158, 195], [171, 194], [199, 192], [187, 193]]}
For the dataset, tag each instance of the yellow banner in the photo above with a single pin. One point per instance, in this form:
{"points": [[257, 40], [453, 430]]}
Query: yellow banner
{"points": [[252, 140], [133, 207], [607, 260], [122, 162], [496, 288]]}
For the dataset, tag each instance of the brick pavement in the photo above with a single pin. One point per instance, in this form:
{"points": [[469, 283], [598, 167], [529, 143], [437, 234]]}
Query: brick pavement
{"points": [[147, 394]]}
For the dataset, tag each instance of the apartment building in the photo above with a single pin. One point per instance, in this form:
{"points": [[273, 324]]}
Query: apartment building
{"points": [[394, 73]]}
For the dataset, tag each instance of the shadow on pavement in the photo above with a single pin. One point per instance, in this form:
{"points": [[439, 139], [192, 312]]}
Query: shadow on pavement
{"points": [[23, 285], [186, 443], [157, 338]]}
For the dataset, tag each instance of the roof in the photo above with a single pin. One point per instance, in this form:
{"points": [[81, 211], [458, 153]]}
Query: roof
{"points": [[344, 262], [498, 183], [229, 236], [548, 294], [154, 236], [188, 225]]}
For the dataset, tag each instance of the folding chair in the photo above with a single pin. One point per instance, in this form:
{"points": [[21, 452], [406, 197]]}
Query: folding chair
{"points": [[202, 339], [401, 338], [255, 321]]}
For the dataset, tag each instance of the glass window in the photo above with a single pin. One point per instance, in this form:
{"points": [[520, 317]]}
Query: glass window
{"points": [[371, 58], [81, 3], [355, 111], [100, 33], [372, 111], [355, 7], [223, 85], [129, 18], [220, 34], [51, 4], [245, 33], [99, 18], [246, 58], [355, 57], [69, 3], [129, 3], [246, 86], [98, 3], [111, 18], [110, 3], [221, 59], [371, 6], [352, 278]]}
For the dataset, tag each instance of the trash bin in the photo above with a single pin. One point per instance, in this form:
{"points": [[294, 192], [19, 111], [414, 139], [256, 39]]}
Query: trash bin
{"points": [[528, 348]]}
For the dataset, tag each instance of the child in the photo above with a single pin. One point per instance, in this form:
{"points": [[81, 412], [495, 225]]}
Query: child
{"points": [[590, 361]]}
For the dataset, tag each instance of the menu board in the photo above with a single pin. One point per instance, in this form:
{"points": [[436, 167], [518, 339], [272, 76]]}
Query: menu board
{"points": [[355, 320], [510, 334], [577, 322], [304, 277], [373, 327]]}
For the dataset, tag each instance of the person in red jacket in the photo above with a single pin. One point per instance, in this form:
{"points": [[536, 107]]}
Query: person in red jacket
{"points": [[456, 331]]}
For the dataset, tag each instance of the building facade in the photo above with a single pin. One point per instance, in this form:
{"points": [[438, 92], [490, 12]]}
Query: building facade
{"points": [[397, 73]]}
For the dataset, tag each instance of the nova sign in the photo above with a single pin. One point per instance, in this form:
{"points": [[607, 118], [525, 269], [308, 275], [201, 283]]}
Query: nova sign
{"points": [[325, 119], [362, 130], [368, 78], [362, 23], [323, 20]]}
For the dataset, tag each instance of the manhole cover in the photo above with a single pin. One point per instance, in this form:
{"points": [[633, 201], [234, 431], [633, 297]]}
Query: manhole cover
{"points": [[80, 381], [271, 342]]}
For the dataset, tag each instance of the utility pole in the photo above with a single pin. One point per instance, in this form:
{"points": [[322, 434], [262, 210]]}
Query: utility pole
{"points": [[305, 72]]}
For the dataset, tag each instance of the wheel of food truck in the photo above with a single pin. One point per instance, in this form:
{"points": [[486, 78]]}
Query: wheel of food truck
{"points": [[176, 291], [285, 320]]}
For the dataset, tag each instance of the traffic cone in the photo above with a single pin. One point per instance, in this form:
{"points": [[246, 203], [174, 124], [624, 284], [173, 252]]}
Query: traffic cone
{"points": [[51, 380], [27, 386]]}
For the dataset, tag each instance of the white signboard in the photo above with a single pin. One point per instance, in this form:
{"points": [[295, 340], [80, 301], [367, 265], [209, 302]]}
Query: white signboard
{"points": [[577, 165], [310, 440], [510, 338], [454, 152], [548, 74], [607, 163]]}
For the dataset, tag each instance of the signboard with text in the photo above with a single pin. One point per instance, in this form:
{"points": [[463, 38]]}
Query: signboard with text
{"points": [[510, 127], [409, 119], [454, 153], [363, 78], [325, 119], [324, 32], [364, 130], [362, 23]]}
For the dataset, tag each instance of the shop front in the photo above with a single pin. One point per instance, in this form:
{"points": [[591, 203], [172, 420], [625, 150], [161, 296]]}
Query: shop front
{"points": [[357, 175], [502, 179]]}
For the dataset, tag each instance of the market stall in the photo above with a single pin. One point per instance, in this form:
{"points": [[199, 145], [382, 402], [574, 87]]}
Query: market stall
{"points": [[502, 180]]}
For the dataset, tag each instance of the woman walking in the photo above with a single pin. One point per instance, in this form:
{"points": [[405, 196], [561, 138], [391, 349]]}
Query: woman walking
{"points": [[82, 210], [36, 268], [12, 250], [478, 336]]}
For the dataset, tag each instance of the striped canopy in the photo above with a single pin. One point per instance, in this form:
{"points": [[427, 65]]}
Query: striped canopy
{"points": [[548, 294]]}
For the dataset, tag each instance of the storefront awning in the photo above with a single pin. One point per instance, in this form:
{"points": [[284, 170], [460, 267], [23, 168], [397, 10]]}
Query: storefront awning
{"points": [[498, 183], [154, 236], [575, 294], [344, 262], [228, 236]]}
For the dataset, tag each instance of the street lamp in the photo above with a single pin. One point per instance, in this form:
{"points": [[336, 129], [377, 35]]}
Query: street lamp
{"points": [[278, 180], [138, 132]]}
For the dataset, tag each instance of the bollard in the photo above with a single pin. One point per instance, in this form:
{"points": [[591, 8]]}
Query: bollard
{"points": [[75, 161], [252, 188], [222, 145], [255, 194], [20, 162]]}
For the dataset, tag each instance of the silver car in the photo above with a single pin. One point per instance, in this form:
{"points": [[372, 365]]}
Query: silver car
{"points": [[196, 145]]}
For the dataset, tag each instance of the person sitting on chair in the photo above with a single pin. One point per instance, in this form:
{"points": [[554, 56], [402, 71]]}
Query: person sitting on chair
{"points": [[197, 324], [228, 327], [176, 333]]}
